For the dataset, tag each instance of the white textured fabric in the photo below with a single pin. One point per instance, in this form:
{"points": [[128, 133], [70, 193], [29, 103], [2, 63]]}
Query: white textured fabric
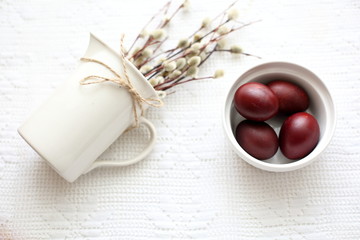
{"points": [[192, 186]]}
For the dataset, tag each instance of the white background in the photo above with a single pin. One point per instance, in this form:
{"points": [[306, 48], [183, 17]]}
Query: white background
{"points": [[192, 186]]}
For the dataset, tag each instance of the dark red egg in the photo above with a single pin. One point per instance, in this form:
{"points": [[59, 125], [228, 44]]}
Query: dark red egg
{"points": [[255, 101], [292, 98], [299, 135], [257, 138]]}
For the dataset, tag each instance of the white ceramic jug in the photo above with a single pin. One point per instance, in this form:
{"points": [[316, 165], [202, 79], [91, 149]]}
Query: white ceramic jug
{"points": [[79, 122]]}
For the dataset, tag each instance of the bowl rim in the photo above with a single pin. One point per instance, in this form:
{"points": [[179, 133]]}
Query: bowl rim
{"points": [[276, 167]]}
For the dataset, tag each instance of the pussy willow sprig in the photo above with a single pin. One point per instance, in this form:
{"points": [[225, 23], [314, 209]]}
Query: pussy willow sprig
{"points": [[178, 65]]}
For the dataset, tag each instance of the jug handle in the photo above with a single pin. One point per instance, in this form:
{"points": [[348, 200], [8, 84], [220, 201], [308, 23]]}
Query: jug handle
{"points": [[136, 159]]}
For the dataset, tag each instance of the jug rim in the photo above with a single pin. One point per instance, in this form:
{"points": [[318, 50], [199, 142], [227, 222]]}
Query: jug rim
{"points": [[129, 64]]}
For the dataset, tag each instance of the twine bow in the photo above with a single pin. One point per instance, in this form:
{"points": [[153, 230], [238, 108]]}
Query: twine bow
{"points": [[125, 83]]}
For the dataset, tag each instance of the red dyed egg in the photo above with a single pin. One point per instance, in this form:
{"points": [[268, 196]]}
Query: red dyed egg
{"points": [[255, 101], [299, 135], [257, 138], [292, 98]]}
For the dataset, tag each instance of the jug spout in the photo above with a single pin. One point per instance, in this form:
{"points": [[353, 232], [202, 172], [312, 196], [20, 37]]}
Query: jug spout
{"points": [[95, 45]]}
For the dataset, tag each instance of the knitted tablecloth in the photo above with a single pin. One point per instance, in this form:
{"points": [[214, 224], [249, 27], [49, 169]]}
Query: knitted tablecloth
{"points": [[192, 185]]}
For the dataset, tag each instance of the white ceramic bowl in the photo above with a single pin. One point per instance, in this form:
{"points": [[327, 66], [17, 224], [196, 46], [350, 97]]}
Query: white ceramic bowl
{"points": [[321, 107]]}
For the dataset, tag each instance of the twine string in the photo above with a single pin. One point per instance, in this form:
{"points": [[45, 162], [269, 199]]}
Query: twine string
{"points": [[125, 83]]}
